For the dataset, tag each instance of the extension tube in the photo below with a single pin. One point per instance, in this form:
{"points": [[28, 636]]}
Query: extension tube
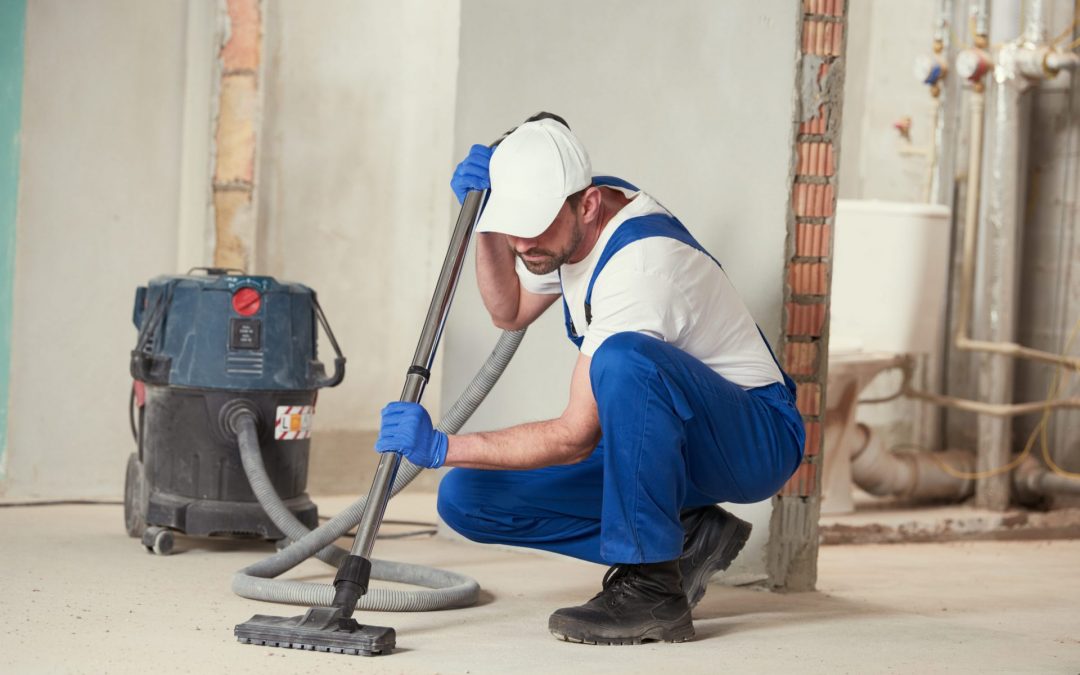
{"points": [[444, 589]]}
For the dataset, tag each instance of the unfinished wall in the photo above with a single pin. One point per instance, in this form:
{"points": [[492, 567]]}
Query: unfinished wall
{"points": [[102, 100], [354, 184], [691, 100]]}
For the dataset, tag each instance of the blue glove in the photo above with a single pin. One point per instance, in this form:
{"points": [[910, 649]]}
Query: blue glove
{"points": [[472, 173], [406, 428]]}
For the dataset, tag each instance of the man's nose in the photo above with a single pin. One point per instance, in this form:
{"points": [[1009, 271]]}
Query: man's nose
{"points": [[521, 245]]}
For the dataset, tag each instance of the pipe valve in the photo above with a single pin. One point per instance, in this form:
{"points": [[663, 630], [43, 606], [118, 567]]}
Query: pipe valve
{"points": [[930, 70], [973, 64]]}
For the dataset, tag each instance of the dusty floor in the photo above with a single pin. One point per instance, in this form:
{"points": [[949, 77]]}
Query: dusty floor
{"points": [[80, 597]]}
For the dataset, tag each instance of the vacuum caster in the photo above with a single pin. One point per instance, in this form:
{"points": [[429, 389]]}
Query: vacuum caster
{"points": [[158, 540]]}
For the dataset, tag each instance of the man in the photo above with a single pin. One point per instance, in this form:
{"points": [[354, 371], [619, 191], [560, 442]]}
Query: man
{"points": [[676, 401]]}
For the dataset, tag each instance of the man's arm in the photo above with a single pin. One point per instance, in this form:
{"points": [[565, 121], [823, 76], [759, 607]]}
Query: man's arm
{"points": [[565, 440], [511, 307]]}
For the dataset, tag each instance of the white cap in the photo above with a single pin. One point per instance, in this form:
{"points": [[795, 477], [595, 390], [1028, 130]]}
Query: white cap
{"points": [[533, 171]]}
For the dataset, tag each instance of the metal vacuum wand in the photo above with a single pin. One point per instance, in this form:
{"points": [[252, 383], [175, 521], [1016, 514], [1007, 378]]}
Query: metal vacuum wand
{"points": [[353, 574]]}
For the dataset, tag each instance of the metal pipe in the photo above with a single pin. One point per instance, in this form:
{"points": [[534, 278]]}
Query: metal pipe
{"points": [[1034, 23], [438, 310], [980, 17], [994, 409]]}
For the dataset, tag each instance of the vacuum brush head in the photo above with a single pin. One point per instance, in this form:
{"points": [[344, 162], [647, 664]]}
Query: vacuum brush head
{"points": [[322, 629]]}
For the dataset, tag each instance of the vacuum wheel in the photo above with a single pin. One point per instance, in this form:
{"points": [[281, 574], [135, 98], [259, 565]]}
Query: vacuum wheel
{"points": [[136, 499], [158, 540]]}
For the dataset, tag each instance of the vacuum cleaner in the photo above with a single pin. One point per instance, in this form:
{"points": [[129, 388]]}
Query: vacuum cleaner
{"points": [[227, 373], [214, 344]]}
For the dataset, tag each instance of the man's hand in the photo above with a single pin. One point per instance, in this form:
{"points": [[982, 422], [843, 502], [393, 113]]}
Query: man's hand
{"points": [[406, 429], [472, 173]]}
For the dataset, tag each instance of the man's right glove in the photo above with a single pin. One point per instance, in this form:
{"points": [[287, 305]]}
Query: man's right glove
{"points": [[406, 428], [472, 173]]}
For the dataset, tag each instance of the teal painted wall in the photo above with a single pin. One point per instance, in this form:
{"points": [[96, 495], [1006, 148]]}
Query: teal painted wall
{"points": [[12, 24]]}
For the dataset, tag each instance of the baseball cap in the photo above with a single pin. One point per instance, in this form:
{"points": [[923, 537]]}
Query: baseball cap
{"points": [[532, 172]]}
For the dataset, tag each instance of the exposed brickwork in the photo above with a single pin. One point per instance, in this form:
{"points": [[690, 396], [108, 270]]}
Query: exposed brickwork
{"points": [[803, 483], [809, 399], [822, 38], [800, 358], [792, 552], [805, 320], [816, 159], [824, 7], [817, 125], [814, 200], [808, 278], [812, 447], [236, 135], [812, 240]]}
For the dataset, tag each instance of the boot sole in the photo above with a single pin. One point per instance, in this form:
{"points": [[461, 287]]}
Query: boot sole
{"points": [[736, 532], [574, 631]]}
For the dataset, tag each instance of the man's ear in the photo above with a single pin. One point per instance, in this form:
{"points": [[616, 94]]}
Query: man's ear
{"points": [[590, 203]]}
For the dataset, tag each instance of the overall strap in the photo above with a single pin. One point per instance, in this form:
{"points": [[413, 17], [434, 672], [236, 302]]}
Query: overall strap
{"points": [[644, 227]]}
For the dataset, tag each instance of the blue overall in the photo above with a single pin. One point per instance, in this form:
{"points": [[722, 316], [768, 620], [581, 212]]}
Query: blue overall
{"points": [[675, 435]]}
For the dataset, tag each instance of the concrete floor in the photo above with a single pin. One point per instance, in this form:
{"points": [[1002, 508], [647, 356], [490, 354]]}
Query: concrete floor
{"points": [[81, 597]]}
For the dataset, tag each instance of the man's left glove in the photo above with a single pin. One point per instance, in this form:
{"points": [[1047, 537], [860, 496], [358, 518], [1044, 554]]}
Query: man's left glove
{"points": [[406, 428]]}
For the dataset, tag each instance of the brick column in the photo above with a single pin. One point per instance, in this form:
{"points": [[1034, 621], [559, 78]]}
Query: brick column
{"points": [[792, 552], [236, 134]]}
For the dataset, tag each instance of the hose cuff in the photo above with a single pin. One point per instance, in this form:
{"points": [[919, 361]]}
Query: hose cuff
{"points": [[351, 583]]}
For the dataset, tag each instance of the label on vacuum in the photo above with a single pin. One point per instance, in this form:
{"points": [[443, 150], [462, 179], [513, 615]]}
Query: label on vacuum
{"points": [[245, 334], [293, 422]]}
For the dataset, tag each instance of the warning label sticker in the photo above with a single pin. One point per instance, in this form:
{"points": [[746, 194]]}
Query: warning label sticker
{"points": [[293, 422]]}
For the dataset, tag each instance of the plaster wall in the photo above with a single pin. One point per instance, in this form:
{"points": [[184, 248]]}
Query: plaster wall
{"points": [[879, 89], [354, 181], [102, 102], [692, 101]]}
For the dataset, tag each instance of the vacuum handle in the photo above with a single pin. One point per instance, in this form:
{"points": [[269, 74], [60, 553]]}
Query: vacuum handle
{"points": [[415, 380], [420, 370], [339, 358]]}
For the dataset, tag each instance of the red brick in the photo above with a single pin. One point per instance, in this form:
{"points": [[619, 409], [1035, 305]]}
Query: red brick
{"points": [[807, 278], [812, 447], [828, 201], [837, 40], [809, 398], [800, 358], [805, 320], [241, 51], [803, 483], [812, 240]]}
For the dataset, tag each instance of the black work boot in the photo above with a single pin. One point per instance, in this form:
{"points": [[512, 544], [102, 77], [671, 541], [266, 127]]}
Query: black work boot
{"points": [[638, 603], [713, 538]]}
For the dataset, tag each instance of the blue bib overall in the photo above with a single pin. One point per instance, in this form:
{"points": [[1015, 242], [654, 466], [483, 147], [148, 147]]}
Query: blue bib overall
{"points": [[676, 435]]}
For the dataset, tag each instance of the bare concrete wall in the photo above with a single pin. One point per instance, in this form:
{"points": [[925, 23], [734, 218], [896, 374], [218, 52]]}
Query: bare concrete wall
{"points": [[881, 88], [691, 100], [354, 180], [96, 217]]}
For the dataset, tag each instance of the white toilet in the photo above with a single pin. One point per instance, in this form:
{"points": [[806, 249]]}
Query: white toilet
{"points": [[889, 288]]}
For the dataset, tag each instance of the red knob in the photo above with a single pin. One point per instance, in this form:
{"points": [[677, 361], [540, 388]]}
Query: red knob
{"points": [[246, 301]]}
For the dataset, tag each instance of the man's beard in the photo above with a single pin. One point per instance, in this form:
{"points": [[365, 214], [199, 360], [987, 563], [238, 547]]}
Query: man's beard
{"points": [[552, 261]]}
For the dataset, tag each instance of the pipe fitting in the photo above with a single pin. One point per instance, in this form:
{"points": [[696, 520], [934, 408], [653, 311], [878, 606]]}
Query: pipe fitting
{"points": [[973, 64]]}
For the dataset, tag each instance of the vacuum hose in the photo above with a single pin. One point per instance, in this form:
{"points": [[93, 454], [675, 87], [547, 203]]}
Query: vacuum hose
{"points": [[444, 589]]}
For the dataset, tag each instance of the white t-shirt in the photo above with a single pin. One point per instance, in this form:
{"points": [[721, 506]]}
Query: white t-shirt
{"points": [[661, 287]]}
